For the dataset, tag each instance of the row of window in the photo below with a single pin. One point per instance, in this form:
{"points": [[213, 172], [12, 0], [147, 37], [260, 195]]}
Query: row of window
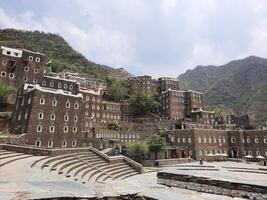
{"points": [[26, 69], [59, 85], [53, 117], [117, 135], [54, 103], [248, 140], [10, 75], [93, 99], [37, 59], [52, 129], [50, 144], [203, 153], [250, 153]]}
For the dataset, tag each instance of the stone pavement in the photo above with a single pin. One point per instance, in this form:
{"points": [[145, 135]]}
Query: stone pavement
{"points": [[19, 181]]}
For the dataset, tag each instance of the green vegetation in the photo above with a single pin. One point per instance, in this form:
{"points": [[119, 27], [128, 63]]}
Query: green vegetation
{"points": [[117, 89], [4, 90], [240, 86], [58, 53], [113, 126], [220, 110], [157, 144], [142, 103], [137, 150]]}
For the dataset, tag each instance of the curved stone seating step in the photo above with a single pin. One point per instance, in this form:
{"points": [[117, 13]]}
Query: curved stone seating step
{"points": [[91, 177], [123, 173], [15, 159], [60, 157], [6, 153], [84, 158], [110, 173], [11, 155], [87, 169], [128, 175], [39, 160], [53, 166]]}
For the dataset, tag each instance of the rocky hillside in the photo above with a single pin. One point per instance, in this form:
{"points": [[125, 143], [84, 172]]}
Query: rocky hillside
{"points": [[58, 51], [240, 85]]}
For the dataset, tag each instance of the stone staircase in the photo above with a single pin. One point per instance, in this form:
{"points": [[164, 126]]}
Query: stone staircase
{"points": [[88, 167]]}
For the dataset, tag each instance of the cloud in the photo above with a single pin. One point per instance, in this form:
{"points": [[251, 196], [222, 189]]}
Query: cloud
{"points": [[157, 37]]}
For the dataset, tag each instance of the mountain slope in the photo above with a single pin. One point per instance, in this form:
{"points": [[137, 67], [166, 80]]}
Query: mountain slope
{"points": [[240, 85], [56, 50]]}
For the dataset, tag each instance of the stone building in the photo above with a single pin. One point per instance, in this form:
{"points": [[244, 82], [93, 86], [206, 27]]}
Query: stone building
{"points": [[143, 83], [20, 66], [203, 117], [193, 102], [165, 83]]}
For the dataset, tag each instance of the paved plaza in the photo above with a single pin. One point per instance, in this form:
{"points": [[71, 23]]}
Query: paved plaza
{"points": [[19, 181]]}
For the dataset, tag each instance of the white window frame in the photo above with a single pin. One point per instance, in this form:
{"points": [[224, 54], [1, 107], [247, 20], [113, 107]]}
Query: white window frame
{"points": [[64, 143], [37, 59], [50, 143], [65, 129], [3, 74], [39, 128], [67, 104], [36, 71], [53, 117], [30, 58], [75, 119], [26, 69], [54, 102], [40, 143], [42, 101], [11, 75], [66, 118], [74, 129], [74, 143], [52, 129], [76, 106], [40, 115]]}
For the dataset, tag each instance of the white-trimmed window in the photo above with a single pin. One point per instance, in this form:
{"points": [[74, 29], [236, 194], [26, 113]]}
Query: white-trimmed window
{"points": [[66, 118], [248, 140], [93, 99], [38, 143], [51, 84], [50, 144], [4, 62], [65, 129], [37, 59], [26, 69], [65, 86], [67, 104], [3, 74], [39, 128], [35, 80], [54, 102], [250, 153], [75, 118], [265, 140], [36, 71], [25, 78], [189, 140], [59, 85], [184, 140], [257, 140], [74, 129], [30, 58], [71, 86], [233, 140], [11, 75], [40, 115], [258, 153], [52, 129], [76, 106], [42, 101], [53, 117], [74, 143], [64, 143], [44, 83]]}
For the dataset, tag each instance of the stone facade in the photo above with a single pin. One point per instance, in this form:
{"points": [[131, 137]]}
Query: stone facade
{"points": [[143, 83]]}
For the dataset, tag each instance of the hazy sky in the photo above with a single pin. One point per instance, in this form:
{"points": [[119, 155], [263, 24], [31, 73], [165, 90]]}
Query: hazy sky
{"points": [[157, 37]]}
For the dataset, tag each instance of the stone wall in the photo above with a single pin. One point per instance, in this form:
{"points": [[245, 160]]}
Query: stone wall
{"points": [[202, 184]]}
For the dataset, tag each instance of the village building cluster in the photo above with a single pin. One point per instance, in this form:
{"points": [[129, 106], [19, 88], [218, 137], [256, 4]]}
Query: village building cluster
{"points": [[68, 109]]}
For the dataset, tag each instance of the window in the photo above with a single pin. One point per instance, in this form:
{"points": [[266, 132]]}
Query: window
{"points": [[42, 101], [37, 59], [257, 140], [257, 153], [53, 116], [44, 83], [30, 58], [71, 87], [51, 84], [76, 106], [184, 140], [35, 80], [189, 140], [26, 69], [67, 104], [75, 118], [50, 144], [54, 102], [4, 62], [66, 118], [3, 74], [25, 78], [11, 75], [38, 143], [74, 129], [265, 140], [250, 153], [74, 142], [40, 115], [52, 129], [248, 140], [64, 143], [59, 85], [86, 113], [39, 128], [233, 140], [35, 71], [65, 129], [87, 98], [65, 86]]}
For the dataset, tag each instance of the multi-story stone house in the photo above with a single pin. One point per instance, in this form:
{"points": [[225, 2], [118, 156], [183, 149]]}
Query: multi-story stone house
{"points": [[203, 117], [143, 84], [165, 83], [193, 102], [20, 66]]}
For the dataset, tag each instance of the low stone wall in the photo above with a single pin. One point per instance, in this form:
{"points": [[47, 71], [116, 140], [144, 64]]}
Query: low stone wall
{"points": [[207, 185], [168, 162]]}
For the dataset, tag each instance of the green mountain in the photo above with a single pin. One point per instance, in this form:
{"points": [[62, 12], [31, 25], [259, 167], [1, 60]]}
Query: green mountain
{"points": [[240, 85], [58, 51]]}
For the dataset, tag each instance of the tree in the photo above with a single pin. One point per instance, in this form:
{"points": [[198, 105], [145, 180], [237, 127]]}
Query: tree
{"points": [[113, 126], [157, 144], [116, 89], [4, 90], [142, 103], [137, 150]]}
